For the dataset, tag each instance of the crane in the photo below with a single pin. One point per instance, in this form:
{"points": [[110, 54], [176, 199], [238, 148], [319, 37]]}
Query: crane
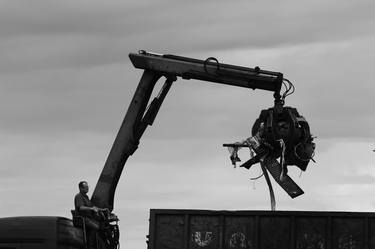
{"points": [[137, 118], [60, 232]]}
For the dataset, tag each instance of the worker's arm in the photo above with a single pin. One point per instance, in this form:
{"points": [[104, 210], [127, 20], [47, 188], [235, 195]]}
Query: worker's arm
{"points": [[85, 210], [88, 209]]}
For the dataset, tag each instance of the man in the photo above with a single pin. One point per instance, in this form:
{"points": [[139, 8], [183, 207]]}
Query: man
{"points": [[82, 202], [85, 208]]}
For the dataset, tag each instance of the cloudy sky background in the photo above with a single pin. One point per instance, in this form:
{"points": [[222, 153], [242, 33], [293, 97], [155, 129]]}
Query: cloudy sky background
{"points": [[66, 82]]}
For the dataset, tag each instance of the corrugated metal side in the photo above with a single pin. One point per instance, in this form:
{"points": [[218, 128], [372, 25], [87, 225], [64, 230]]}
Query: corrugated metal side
{"points": [[204, 229]]}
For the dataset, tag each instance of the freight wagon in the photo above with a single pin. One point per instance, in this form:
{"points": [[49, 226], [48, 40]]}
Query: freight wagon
{"points": [[203, 229]]}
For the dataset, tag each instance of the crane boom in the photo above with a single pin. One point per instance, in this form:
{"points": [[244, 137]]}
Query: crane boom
{"points": [[139, 116], [209, 70]]}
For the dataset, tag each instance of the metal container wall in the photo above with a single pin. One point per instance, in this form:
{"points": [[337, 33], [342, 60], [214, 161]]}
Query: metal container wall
{"points": [[201, 229], [39, 232]]}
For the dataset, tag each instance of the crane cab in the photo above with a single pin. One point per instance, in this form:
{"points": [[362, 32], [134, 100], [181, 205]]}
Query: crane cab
{"points": [[39, 232]]}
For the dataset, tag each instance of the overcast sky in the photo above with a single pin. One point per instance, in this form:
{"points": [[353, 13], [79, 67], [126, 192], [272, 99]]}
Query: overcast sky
{"points": [[66, 82]]}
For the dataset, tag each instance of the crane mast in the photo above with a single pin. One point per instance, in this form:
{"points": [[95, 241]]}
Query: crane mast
{"points": [[140, 114]]}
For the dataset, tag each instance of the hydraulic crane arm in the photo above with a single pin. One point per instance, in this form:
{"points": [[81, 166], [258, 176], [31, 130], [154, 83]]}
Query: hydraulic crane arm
{"points": [[139, 116], [208, 70]]}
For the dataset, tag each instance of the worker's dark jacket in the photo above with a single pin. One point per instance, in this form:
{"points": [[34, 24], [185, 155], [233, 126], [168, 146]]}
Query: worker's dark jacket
{"points": [[83, 200]]}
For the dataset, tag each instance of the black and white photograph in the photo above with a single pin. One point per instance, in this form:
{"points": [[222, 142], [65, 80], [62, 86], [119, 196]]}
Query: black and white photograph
{"points": [[187, 124]]}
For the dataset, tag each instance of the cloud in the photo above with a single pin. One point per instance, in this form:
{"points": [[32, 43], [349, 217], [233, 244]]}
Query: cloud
{"points": [[72, 34], [331, 93]]}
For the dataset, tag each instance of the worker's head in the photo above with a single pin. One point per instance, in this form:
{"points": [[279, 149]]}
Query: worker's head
{"points": [[83, 187]]}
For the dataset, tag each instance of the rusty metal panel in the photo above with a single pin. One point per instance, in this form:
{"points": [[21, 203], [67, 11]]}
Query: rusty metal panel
{"points": [[203, 229], [274, 232], [348, 233], [371, 232], [169, 231], [239, 232], [311, 233], [204, 232]]}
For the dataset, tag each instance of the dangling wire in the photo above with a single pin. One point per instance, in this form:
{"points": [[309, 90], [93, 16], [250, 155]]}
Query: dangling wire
{"points": [[312, 157], [272, 194], [289, 88], [256, 178]]}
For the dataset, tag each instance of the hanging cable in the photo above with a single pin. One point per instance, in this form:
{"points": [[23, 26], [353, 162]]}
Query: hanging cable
{"points": [[289, 89], [272, 194], [256, 178]]}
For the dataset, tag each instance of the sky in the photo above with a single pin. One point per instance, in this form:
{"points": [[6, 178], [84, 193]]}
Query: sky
{"points": [[66, 82]]}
